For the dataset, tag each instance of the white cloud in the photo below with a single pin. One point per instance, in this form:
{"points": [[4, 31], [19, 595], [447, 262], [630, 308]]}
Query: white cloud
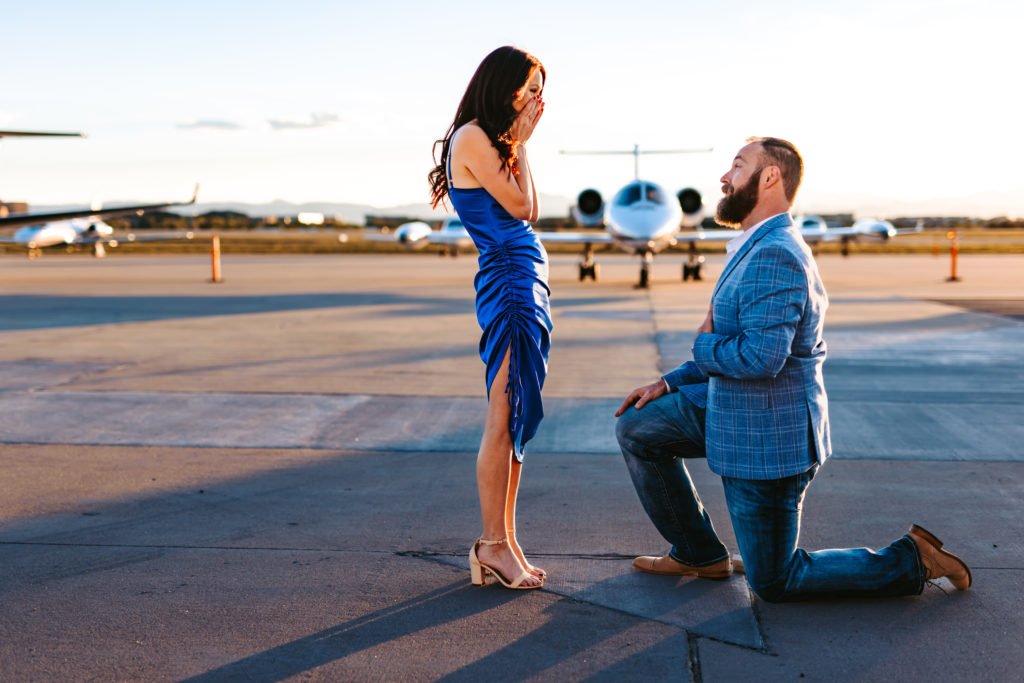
{"points": [[316, 120], [210, 124]]}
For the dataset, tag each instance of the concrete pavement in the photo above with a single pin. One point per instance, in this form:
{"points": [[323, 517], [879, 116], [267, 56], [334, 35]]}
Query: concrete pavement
{"points": [[272, 478]]}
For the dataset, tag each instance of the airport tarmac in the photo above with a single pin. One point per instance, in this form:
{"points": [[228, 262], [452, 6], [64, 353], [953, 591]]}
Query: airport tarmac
{"points": [[271, 478]]}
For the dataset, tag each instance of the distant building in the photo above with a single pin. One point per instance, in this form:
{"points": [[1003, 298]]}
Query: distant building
{"points": [[7, 208], [310, 218]]}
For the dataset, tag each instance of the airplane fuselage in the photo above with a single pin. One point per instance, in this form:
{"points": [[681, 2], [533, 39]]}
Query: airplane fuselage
{"points": [[60, 232], [642, 219]]}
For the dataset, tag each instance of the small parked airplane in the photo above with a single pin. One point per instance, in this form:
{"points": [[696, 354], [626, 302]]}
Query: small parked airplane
{"points": [[814, 230], [452, 235], [641, 219], [78, 226]]}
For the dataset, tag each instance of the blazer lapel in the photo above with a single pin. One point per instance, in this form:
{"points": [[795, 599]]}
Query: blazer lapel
{"points": [[782, 220]]}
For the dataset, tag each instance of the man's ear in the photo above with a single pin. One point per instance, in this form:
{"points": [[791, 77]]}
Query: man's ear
{"points": [[771, 175]]}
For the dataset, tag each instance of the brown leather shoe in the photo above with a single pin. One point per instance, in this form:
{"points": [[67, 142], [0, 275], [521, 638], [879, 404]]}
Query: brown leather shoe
{"points": [[938, 562], [667, 566], [737, 564]]}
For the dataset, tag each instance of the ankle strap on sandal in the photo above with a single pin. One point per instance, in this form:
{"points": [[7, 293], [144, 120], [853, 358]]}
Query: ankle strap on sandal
{"points": [[484, 541]]}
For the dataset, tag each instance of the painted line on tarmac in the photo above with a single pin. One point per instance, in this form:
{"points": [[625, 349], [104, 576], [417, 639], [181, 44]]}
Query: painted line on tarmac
{"points": [[925, 429]]}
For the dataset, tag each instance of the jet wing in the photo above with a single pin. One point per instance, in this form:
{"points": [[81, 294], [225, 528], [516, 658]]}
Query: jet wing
{"points": [[22, 219], [443, 237], [605, 237], [574, 237], [134, 237], [707, 236], [845, 231], [418, 234], [919, 228], [37, 134]]}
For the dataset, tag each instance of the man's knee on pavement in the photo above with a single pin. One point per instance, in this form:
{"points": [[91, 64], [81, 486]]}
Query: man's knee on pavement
{"points": [[769, 589]]}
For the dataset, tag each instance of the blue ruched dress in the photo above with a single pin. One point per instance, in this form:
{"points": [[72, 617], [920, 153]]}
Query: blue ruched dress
{"points": [[511, 304]]}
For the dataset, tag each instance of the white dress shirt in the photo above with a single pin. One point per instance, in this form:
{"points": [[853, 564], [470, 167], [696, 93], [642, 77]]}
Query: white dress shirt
{"points": [[733, 245]]}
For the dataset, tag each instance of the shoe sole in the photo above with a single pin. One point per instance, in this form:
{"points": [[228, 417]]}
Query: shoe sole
{"points": [[718, 575]]}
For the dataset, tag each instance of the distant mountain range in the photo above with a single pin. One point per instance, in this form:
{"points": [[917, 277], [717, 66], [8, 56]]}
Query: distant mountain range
{"points": [[980, 205]]}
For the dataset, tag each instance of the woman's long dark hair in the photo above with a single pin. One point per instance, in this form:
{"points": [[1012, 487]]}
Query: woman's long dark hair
{"points": [[488, 99]]}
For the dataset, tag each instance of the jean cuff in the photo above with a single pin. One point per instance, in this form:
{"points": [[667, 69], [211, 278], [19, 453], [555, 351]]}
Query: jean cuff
{"points": [[675, 556], [921, 574]]}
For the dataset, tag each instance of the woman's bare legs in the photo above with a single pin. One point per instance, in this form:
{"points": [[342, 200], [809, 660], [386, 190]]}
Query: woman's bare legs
{"points": [[493, 474], [510, 519]]}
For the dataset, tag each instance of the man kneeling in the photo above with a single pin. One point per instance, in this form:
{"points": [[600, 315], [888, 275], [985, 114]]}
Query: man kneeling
{"points": [[753, 402]]}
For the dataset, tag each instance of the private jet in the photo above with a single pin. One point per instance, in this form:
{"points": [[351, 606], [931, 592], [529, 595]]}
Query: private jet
{"points": [[641, 219], [78, 226], [417, 234], [815, 230]]}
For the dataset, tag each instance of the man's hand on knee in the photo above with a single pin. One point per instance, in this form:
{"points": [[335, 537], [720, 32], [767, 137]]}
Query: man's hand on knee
{"points": [[643, 395]]}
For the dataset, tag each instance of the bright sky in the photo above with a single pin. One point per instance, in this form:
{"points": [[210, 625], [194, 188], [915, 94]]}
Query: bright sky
{"points": [[341, 101]]}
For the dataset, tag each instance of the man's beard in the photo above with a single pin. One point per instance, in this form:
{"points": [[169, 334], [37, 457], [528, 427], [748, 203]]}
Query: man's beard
{"points": [[737, 205]]}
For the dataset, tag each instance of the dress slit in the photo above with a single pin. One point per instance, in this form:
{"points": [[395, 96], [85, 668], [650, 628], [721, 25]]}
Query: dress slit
{"points": [[511, 305]]}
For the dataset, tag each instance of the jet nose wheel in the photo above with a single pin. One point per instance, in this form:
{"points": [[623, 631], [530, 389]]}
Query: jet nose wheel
{"points": [[645, 270], [645, 276]]}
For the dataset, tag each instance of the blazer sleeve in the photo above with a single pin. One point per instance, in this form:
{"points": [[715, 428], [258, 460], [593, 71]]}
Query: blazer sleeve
{"points": [[772, 298], [687, 373]]}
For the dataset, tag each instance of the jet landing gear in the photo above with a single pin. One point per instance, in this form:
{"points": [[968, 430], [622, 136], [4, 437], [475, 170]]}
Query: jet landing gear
{"points": [[692, 266], [589, 267], [645, 270]]}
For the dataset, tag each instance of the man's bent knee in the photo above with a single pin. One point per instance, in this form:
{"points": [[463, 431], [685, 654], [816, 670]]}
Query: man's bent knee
{"points": [[770, 594], [629, 427], [769, 591]]}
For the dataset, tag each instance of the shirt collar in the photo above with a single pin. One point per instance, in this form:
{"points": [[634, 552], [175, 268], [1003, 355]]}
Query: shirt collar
{"points": [[733, 245]]}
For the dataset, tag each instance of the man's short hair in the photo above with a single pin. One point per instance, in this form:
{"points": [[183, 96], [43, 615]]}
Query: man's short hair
{"points": [[783, 153]]}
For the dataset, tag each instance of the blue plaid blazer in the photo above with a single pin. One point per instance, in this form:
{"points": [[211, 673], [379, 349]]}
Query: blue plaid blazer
{"points": [[759, 373]]}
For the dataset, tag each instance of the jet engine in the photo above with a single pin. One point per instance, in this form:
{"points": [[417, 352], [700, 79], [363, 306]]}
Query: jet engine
{"points": [[413, 235], [589, 209], [692, 205]]}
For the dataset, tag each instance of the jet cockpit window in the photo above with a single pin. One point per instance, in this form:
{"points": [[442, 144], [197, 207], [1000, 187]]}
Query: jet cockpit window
{"points": [[630, 194], [655, 195]]}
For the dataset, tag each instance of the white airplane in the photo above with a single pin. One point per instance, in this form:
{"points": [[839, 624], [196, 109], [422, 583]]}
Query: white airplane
{"points": [[79, 226], [417, 234], [642, 219], [814, 230]]}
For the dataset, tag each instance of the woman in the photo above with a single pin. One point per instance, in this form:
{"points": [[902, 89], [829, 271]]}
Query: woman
{"points": [[485, 174]]}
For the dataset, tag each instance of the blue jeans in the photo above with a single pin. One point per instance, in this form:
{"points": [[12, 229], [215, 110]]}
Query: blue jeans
{"points": [[765, 516]]}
